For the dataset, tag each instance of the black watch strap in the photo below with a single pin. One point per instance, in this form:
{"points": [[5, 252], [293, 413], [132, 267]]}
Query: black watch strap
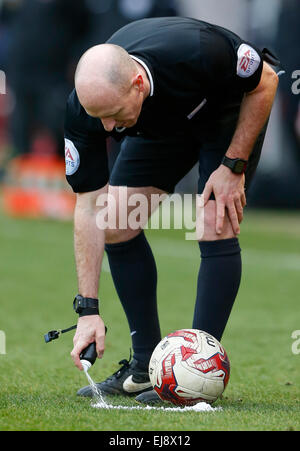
{"points": [[237, 165], [85, 306]]}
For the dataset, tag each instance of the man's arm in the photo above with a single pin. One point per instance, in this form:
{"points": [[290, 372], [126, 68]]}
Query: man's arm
{"points": [[89, 248], [255, 110], [228, 187]]}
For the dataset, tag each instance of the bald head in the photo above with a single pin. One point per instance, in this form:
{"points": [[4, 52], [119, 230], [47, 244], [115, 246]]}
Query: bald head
{"points": [[104, 71]]}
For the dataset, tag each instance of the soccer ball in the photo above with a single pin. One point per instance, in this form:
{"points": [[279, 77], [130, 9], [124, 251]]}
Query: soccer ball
{"points": [[189, 366]]}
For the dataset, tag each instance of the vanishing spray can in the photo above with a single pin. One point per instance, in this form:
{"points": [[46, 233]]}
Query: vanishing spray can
{"points": [[88, 356]]}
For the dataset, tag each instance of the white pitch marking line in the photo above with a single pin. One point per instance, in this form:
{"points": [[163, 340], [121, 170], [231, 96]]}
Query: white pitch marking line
{"points": [[200, 407]]}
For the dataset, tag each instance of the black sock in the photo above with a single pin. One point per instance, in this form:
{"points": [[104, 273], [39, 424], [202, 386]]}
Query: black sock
{"points": [[134, 274], [218, 283]]}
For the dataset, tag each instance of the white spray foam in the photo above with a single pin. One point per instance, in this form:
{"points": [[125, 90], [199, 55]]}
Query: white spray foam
{"points": [[101, 404], [200, 407], [96, 392]]}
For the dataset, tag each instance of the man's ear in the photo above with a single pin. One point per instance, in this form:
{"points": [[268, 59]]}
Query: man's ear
{"points": [[138, 82]]}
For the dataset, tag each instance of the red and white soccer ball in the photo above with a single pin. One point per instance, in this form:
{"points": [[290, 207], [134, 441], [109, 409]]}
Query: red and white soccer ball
{"points": [[189, 366]]}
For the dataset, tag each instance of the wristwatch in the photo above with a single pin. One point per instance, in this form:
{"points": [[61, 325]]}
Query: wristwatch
{"points": [[237, 165], [86, 306]]}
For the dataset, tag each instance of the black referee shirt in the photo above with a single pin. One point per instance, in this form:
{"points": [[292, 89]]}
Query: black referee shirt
{"points": [[199, 71]]}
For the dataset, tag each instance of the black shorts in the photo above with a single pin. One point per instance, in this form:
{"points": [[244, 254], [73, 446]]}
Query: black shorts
{"points": [[162, 163]]}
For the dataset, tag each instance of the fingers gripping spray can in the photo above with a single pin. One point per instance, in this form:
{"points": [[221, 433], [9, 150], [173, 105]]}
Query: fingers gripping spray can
{"points": [[88, 356]]}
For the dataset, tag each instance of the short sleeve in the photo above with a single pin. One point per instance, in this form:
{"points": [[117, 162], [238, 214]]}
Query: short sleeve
{"points": [[249, 64], [231, 65], [85, 149]]}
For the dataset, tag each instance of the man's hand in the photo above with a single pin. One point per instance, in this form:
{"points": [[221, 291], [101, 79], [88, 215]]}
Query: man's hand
{"points": [[229, 192], [228, 187], [89, 329]]}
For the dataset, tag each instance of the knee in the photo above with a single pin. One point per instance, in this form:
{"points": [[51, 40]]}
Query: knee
{"points": [[209, 224], [113, 236]]}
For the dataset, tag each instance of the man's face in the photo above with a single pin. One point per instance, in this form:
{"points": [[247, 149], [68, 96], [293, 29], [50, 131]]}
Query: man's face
{"points": [[119, 110]]}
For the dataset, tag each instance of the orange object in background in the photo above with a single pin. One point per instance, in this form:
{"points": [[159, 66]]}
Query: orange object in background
{"points": [[35, 187]]}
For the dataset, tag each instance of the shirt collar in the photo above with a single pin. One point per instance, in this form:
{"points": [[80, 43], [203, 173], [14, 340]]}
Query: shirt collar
{"points": [[148, 73]]}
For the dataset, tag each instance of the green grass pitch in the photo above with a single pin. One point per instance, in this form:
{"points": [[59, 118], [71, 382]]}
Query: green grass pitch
{"points": [[37, 284]]}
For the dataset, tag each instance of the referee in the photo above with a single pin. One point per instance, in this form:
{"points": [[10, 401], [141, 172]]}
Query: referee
{"points": [[176, 91]]}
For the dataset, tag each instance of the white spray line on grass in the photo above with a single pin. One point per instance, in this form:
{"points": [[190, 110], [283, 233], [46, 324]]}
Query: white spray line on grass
{"points": [[100, 403], [200, 407]]}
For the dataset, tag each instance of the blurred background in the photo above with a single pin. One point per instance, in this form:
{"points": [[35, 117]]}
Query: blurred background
{"points": [[40, 44]]}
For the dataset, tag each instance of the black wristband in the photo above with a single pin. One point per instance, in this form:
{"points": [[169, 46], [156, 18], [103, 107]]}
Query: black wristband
{"points": [[86, 306], [88, 312], [237, 165]]}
